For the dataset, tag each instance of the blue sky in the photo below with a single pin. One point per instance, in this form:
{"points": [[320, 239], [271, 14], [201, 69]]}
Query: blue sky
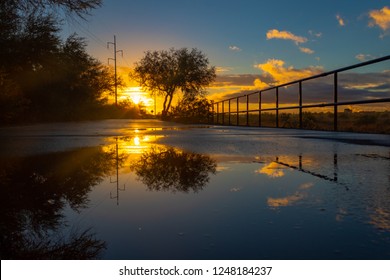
{"points": [[245, 37]]}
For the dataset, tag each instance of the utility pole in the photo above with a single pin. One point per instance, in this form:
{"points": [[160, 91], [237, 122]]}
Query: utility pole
{"points": [[114, 59]]}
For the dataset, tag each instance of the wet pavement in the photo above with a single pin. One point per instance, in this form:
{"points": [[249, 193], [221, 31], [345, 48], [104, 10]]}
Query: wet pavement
{"points": [[147, 189]]}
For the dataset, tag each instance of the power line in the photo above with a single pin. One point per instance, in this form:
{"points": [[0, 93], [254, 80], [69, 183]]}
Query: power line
{"points": [[126, 62], [77, 25]]}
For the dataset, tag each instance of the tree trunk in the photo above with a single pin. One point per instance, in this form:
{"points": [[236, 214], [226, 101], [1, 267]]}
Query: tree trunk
{"points": [[169, 102], [165, 110]]}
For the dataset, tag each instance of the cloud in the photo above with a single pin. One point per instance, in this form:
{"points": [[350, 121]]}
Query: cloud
{"points": [[229, 86], [280, 74], [306, 50], [234, 48], [340, 20], [316, 34], [285, 35], [221, 69], [380, 18], [366, 85], [239, 80], [364, 57], [259, 84]]}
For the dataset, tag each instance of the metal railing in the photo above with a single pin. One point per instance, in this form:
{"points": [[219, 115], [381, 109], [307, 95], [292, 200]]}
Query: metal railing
{"points": [[223, 115]]}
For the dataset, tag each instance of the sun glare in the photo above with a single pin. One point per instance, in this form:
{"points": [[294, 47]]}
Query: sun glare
{"points": [[138, 97]]}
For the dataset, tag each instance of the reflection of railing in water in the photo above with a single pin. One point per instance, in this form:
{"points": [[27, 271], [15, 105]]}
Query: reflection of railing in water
{"points": [[117, 175], [219, 111], [321, 176]]}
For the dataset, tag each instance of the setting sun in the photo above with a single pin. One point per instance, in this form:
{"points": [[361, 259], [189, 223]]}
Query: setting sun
{"points": [[137, 96]]}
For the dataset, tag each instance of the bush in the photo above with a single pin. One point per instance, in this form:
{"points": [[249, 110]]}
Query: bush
{"points": [[192, 109]]}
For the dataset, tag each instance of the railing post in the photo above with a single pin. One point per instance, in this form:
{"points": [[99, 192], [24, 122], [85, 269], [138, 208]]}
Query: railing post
{"points": [[335, 168], [277, 107], [223, 112], [259, 108], [217, 112], [300, 162], [212, 112], [300, 105], [335, 100], [229, 112], [238, 108], [247, 110]]}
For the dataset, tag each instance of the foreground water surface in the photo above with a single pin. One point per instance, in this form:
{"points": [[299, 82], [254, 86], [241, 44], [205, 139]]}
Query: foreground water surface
{"points": [[121, 189]]}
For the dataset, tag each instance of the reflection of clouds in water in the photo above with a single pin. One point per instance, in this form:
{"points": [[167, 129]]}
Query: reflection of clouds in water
{"points": [[285, 201], [380, 219], [306, 186], [291, 199], [235, 189], [341, 214], [272, 170]]}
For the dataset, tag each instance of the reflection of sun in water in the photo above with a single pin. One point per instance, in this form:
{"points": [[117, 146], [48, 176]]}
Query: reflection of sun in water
{"points": [[131, 145], [137, 96]]}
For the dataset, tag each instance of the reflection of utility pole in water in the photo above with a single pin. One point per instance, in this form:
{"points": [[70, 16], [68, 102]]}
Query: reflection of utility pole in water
{"points": [[335, 168], [115, 73], [117, 175]]}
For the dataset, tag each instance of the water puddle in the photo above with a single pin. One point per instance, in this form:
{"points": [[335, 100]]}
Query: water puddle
{"points": [[132, 197]]}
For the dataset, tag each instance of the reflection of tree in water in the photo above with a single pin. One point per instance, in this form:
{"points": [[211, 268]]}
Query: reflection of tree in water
{"points": [[168, 169], [33, 194]]}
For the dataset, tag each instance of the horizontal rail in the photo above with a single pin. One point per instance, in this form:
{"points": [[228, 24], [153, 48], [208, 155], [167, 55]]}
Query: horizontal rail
{"points": [[335, 104], [345, 103], [321, 75]]}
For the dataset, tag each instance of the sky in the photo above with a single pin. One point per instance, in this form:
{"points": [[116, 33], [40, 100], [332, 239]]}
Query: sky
{"points": [[252, 43]]}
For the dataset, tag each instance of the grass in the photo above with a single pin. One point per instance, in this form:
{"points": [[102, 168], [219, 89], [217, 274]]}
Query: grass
{"points": [[367, 122]]}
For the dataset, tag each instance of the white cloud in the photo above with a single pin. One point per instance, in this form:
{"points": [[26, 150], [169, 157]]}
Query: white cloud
{"points": [[364, 57], [285, 35], [380, 18], [234, 48], [315, 34], [221, 69]]}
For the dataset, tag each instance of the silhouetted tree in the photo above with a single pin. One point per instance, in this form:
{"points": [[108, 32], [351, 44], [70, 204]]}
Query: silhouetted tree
{"points": [[167, 72], [78, 7], [167, 169], [41, 77], [193, 109]]}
